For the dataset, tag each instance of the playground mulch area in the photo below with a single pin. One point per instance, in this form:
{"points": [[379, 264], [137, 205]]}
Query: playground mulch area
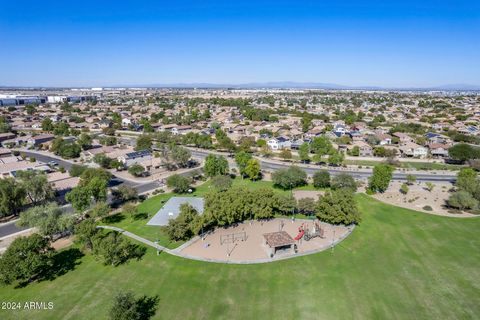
{"points": [[245, 242]]}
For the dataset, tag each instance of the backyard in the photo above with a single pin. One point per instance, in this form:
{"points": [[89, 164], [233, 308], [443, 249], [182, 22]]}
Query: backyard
{"points": [[397, 263]]}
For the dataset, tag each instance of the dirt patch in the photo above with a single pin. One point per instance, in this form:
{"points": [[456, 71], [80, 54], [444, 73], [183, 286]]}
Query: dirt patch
{"points": [[301, 194], [62, 243], [418, 197]]}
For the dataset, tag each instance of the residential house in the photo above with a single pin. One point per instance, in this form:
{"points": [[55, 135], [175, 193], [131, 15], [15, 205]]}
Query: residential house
{"points": [[438, 150], [383, 139], [403, 137], [365, 149], [413, 150], [279, 143], [35, 141], [135, 157]]}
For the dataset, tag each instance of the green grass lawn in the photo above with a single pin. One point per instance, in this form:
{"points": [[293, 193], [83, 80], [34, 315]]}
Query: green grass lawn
{"points": [[397, 263]]}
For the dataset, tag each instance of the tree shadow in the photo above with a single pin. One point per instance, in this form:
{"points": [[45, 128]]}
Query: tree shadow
{"points": [[147, 306], [114, 218], [62, 262], [140, 216]]}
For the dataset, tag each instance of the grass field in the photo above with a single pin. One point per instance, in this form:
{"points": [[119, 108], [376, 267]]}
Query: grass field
{"points": [[397, 264]]}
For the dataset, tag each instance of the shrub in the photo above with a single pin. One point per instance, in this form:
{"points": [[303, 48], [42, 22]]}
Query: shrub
{"points": [[462, 200]]}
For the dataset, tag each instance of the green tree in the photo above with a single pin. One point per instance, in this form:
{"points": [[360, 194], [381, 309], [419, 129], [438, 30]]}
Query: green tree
{"points": [[91, 173], [124, 193], [322, 146], [343, 181], [338, 207], [144, 142], [97, 188], [85, 141], [25, 259], [36, 186], [381, 177], [241, 159], [289, 178], [85, 232], [136, 170], [335, 158], [114, 249], [76, 170], [12, 196], [284, 204], [102, 160], [178, 183], [215, 165], [253, 169], [304, 152], [223, 141], [306, 206], [463, 152], [181, 156], [100, 209], [467, 180], [49, 219], [47, 125], [321, 179], [127, 307], [80, 198], [61, 129], [183, 227]]}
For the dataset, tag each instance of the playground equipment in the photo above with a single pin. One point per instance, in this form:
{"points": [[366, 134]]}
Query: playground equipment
{"points": [[301, 232], [316, 231], [233, 237]]}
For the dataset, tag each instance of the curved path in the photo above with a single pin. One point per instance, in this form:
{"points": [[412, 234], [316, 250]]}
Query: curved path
{"points": [[177, 252]]}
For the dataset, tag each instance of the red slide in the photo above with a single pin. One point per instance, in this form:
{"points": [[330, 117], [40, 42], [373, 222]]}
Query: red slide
{"points": [[300, 235]]}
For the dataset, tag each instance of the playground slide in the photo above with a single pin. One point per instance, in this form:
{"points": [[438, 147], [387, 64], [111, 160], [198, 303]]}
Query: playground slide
{"points": [[299, 235]]}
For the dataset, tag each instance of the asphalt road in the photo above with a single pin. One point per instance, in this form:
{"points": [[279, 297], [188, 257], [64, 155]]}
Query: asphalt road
{"points": [[10, 228], [272, 166]]}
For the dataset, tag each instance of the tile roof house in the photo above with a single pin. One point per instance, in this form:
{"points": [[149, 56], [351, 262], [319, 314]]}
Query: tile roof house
{"points": [[413, 150]]}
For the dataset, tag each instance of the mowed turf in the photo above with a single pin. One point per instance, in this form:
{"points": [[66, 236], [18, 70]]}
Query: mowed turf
{"points": [[397, 264]]}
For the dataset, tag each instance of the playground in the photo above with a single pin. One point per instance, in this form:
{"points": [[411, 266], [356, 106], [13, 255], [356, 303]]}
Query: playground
{"points": [[267, 240]]}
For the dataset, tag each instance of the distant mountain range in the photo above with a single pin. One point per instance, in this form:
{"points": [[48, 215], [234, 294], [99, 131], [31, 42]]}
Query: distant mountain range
{"points": [[303, 85], [274, 85]]}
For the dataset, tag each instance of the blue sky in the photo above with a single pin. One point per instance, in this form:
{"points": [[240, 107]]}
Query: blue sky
{"points": [[99, 43]]}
